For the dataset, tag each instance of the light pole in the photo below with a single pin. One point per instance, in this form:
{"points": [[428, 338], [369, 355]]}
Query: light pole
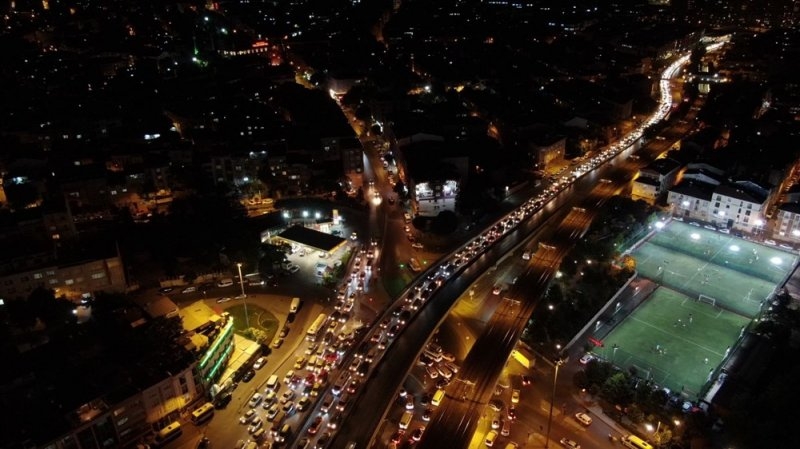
{"points": [[557, 365], [244, 297]]}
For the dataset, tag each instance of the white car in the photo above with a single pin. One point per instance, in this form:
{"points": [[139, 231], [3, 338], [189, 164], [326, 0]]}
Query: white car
{"points": [[294, 269], [248, 415], [417, 245], [257, 424], [259, 363], [497, 289], [566, 442], [583, 418], [287, 396], [588, 357], [515, 397]]}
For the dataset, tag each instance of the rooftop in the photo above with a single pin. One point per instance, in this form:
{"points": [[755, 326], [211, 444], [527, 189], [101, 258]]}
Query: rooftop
{"points": [[311, 237]]}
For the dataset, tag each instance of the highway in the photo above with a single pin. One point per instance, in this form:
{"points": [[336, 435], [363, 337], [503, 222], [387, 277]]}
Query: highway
{"points": [[454, 423], [381, 388]]}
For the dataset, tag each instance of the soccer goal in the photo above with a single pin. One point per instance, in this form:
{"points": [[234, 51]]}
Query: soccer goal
{"points": [[707, 300]]}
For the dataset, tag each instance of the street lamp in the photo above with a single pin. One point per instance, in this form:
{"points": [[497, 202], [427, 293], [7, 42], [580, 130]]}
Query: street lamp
{"points": [[557, 365], [244, 297]]}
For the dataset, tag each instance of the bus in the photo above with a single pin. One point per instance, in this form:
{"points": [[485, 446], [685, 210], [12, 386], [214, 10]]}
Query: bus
{"points": [[169, 433], [634, 442], [203, 413], [316, 327]]}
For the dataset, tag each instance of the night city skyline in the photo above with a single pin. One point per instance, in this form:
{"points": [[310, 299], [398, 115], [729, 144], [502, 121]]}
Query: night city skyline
{"points": [[353, 224]]}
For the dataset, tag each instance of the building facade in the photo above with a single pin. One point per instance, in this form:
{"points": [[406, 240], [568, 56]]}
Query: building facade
{"points": [[105, 423], [67, 279], [656, 178], [735, 206]]}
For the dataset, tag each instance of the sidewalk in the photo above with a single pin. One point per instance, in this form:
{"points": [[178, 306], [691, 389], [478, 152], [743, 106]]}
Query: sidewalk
{"points": [[594, 410]]}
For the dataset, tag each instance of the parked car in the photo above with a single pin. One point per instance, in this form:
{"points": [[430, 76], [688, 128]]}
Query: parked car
{"points": [[583, 418], [566, 442], [259, 363], [248, 375]]}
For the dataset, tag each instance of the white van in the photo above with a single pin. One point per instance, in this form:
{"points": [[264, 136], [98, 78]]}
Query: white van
{"points": [[272, 382], [295, 306]]}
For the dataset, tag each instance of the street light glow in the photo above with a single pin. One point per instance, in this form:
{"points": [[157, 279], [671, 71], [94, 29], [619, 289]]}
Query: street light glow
{"points": [[659, 225], [734, 248], [695, 236], [776, 261]]}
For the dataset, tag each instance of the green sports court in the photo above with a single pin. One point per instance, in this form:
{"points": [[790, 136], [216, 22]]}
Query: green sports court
{"points": [[710, 286], [673, 339]]}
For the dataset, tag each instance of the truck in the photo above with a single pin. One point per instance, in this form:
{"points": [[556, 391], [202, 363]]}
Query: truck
{"points": [[295, 305]]}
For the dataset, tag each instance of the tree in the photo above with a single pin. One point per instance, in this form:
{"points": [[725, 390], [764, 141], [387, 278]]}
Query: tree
{"points": [[598, 371], [21, 195], [400, 189], [53, 312], [617, 389], [273, 257], [445, 222]]}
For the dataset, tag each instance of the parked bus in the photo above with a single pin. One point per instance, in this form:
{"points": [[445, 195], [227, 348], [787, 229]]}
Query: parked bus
{"points": [[203, 413], [316, 327], [634, 442], [169, 433]]}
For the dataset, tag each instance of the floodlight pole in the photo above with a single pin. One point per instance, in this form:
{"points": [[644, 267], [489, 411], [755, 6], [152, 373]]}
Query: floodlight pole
{"points": [[244, 297], [557, 365]]}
